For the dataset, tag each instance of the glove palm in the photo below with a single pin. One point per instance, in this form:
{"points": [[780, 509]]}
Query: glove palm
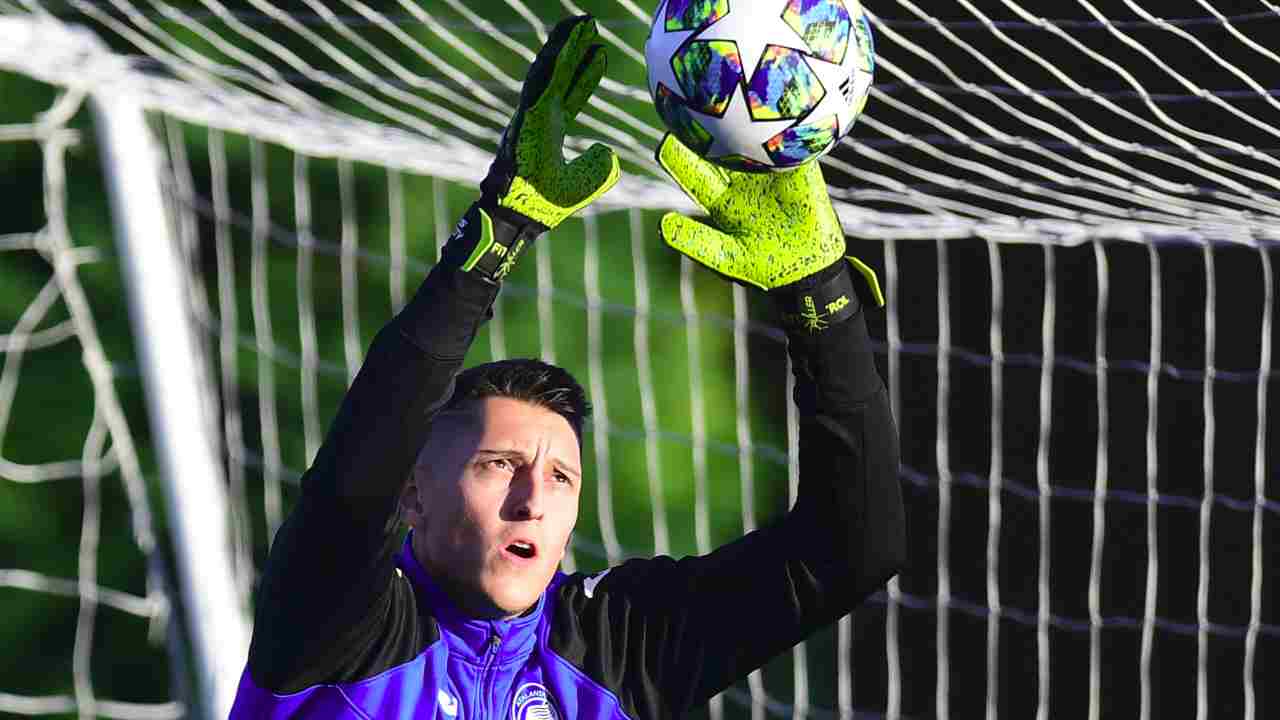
{"points": [[766, 229], [529, 176], [530, 188]]}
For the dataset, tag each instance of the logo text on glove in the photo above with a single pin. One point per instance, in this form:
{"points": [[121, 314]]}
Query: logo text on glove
{"points": [[509, 257], [459, 229], [810, 316]]}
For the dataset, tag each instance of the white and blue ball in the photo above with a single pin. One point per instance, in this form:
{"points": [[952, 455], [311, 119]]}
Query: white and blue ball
{"points": [[760, 84]]}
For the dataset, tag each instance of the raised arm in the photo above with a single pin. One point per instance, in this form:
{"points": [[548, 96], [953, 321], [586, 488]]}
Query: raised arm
{"points": [[674, 633], [328, 609]]}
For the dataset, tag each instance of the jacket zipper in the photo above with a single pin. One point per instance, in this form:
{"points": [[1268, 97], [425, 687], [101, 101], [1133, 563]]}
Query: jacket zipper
{"points": [[486, 682]]}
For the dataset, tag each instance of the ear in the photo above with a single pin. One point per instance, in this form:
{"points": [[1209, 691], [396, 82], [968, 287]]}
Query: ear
{"points": [[411, 508]]}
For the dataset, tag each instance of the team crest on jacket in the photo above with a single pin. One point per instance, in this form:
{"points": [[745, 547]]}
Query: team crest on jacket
{"points": [[533, 702]]}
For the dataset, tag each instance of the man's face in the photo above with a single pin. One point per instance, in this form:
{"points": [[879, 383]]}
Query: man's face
{"points": [[493, 500]]}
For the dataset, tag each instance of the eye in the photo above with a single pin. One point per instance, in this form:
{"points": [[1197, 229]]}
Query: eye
{"points": [[562, 478], [500, 463]]}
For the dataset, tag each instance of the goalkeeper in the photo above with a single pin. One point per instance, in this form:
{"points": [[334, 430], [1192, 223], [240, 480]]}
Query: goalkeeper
{"points": [[468, 616]]}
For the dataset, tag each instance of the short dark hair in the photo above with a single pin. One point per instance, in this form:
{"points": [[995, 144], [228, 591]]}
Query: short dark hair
{"points": [[532, 381]]}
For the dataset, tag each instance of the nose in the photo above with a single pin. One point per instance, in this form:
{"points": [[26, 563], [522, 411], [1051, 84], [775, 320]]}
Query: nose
{"points": [[526, 496]]}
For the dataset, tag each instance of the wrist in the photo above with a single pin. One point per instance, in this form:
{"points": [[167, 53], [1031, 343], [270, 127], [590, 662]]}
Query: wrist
{"points": [[489, 239], [814, 303]]}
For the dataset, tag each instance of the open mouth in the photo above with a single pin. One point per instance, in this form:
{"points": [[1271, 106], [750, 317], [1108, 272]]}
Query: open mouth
{"points": [[522, 549]]}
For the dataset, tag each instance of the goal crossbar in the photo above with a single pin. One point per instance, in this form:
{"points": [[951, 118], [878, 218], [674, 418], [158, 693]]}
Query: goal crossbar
{"points": [[66, 56]]}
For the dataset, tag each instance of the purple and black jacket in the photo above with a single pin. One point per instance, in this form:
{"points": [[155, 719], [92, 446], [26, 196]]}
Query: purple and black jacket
{"points": [[349, 625]]}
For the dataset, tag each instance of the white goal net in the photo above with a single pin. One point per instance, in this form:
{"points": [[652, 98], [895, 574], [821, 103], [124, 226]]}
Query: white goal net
{"points": [[83, 580], [1074, 208]]}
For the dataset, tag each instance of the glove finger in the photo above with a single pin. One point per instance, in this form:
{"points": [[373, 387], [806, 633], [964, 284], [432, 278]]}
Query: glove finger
{"points": [[554, 54], [702, 181], [586, 81], [571, 57], [707, 245], [590, 175]]}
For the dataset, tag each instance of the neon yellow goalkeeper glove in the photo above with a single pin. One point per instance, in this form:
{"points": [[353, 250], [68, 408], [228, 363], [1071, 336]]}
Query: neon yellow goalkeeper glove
{"points": [[530, 188], [770, 230]]}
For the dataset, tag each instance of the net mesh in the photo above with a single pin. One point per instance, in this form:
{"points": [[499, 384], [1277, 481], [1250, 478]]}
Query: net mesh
{"points": [[81, 575], [1075, 218]]}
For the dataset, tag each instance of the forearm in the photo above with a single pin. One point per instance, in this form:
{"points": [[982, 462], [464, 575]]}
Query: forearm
{"points": [[406, 378], [708, 620], [849, 506], [408, 374]]}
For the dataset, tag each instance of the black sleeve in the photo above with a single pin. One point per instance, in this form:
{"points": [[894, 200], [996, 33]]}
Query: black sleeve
{"points": [[666, 635], [331, 606]]}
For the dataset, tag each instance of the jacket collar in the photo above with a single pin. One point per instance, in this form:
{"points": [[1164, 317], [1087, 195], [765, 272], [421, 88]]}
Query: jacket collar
{"points": [[473, 639]]}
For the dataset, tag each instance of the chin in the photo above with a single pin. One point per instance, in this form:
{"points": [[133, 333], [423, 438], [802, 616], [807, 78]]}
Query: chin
{"points": [[513, 598], [509, 604], [522, 599]]}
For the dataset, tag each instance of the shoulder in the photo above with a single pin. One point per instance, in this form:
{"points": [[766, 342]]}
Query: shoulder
{"points": [[593, 621], [634, 580], [390, 633]]}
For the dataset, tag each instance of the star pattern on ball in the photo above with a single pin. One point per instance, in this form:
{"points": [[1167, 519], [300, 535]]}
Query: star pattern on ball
{"points": [[747, 89], [736, 131], [753, 32], [842, 82], [664, 44]]}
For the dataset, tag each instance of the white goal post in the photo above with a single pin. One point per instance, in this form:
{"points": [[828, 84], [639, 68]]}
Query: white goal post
{"points": [[216, 615], [1076, 212], [193, 473]]}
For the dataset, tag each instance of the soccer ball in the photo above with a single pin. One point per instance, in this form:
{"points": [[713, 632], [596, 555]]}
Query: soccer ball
{"points": [[759, 84]]}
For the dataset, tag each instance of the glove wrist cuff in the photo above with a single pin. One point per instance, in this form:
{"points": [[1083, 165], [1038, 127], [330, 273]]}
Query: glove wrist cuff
{"points": [[815, 303], [489, 239], [512, 222]]}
